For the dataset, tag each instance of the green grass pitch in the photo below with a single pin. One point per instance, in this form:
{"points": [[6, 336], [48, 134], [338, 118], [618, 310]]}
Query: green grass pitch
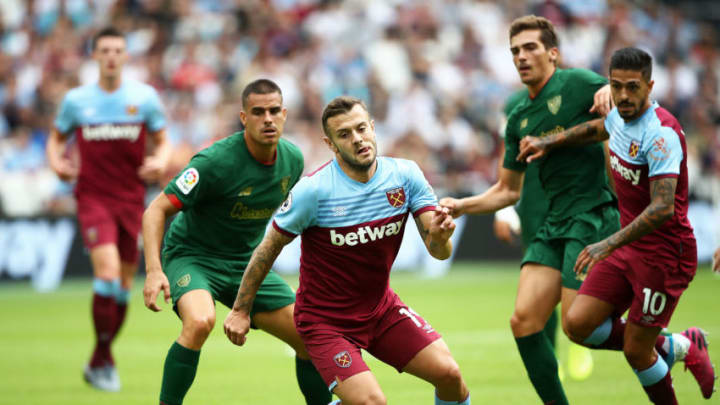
{"points": [[46, 340]]}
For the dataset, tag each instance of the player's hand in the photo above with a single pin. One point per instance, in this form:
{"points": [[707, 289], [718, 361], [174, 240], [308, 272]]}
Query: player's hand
{"points": [[453, 205], [716, 261], [154, 282], [504, 231], [531, 148], [151, 170], [237, 326], [602, 102], [591, 255], [65, 169], [442, 225]]}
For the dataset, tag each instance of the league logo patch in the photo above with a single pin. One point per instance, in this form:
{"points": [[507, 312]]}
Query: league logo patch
{"points": [[246, 192], [659, 150], [523, 123], [285, 207], [554, 104], [188, 180], [634, 149], [284, 184], [131, 109], [92, 235], [343, 359], [396, 197], [184, 281]]}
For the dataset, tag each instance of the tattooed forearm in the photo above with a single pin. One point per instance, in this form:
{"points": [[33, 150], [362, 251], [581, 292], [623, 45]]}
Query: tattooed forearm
{"points": [[661, 208], [585, 133], [260, 263]]}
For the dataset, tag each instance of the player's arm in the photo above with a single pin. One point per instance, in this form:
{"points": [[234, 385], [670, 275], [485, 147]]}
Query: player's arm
{"points": [[154, 165], [660, 209], [57, 160], [237, 322], [532, 148], [153, 229], [435, 228], [503, 193]]}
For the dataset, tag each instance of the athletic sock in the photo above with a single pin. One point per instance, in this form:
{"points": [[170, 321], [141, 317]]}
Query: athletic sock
{"points": [[657, 383], [439, 401], [542, 368], [178, 375], [610, 335], [311, 384], [103, 313], [122, 296], [551, 328]]}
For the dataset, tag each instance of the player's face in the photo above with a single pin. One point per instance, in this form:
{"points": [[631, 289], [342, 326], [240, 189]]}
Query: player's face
{"points": [[352, 138], [264, 118], [110, 55], [532, 60], [630, 92]]}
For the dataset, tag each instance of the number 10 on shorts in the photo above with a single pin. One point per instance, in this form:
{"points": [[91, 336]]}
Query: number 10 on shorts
{"points": [[653, 302]]}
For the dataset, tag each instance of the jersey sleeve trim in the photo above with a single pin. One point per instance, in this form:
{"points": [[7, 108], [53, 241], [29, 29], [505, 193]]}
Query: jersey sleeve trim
{"points": [[423, 209], [663, 175], [282, 231], [174, 201]]}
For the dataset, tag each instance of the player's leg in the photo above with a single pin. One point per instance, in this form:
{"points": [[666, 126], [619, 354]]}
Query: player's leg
{"points": [[407, 342], [279, 323], [650, 368], [193, 282], [537, 296], [129, 221], [437, 366], [196, 309], [360, 389]]}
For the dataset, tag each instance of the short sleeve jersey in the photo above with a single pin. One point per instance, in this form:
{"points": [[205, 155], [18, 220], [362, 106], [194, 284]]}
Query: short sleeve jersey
{"points": [[533, 206], [227, 199], [649, 148], [574, 180], [110, 129], [351, 234]]}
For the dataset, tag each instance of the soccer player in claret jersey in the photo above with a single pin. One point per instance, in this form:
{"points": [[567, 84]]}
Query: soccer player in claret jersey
{"points": [[111, 121], [225, 197], [646, 265], [351, 214]]}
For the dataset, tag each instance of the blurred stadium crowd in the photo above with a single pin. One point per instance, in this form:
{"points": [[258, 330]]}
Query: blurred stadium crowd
{"points": [[435, 75]]}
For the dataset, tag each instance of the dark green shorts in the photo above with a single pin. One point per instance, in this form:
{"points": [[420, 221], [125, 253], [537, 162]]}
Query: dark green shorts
{"points": [[186, 273], [558, 244]]}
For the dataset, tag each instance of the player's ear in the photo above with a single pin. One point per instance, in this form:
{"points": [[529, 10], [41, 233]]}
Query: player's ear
{"points": [[554, 55], [372, 125], [651, 83], [243, 117], [284, 113], [329, 143]]}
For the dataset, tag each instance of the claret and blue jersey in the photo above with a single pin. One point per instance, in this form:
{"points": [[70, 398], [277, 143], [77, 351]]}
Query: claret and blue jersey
{"points": [[649, 148], [351, 233], [110, 130]]}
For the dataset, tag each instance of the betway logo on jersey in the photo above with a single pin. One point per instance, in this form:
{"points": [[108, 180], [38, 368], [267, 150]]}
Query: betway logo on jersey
{"points": [[365, 234], [630, 175], [111, 132]]}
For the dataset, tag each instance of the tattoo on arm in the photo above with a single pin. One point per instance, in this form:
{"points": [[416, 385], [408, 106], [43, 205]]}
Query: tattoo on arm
{"points": [[585, 133], [661, 208], [260, 263]]}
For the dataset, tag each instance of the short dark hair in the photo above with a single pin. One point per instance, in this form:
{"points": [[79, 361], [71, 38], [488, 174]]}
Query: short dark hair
{"points": [[548, 37], [260, 86], [339, 105], [106, 32], [632, 59]]}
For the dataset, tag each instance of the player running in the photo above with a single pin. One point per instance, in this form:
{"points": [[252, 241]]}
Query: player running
{"points": [[646, 265], [225, 197], [351, 214], [111, 120]]}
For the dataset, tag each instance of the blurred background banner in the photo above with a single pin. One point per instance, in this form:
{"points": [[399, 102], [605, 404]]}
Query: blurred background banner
{"points": [[435, 75]]}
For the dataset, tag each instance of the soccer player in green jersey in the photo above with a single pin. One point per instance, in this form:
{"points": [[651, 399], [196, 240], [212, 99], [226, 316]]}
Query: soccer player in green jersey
{"points": [[582, 208], [225, 197]]}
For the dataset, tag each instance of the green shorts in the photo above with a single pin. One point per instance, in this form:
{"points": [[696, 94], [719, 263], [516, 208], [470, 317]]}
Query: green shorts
{"points": [[558, 244], [222, 280]]}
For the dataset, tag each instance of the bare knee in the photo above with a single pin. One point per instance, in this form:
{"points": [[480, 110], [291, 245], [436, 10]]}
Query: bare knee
{"points": [[449, 376], [576, 327], [524, 323], [638, 357], [197, 329]]}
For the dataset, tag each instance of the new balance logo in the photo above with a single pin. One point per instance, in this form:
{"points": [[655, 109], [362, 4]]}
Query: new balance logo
{"points": [[630, 175], [365, 234], [109, 132]]}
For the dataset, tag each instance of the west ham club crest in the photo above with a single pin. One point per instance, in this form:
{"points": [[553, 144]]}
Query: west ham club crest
{"points": [[396, 197]]}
